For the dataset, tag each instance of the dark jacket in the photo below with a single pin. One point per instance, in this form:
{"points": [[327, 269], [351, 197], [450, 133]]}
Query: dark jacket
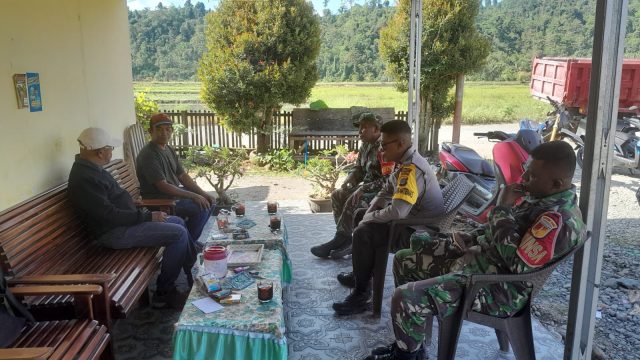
{"points": [[100, 201]]}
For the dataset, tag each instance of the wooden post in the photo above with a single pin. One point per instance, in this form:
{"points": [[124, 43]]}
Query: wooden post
{"points": [[457, 114], [185, 136]]}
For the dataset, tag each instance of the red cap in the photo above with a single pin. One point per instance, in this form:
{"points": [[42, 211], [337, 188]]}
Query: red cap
{"points": [[160, 119]]}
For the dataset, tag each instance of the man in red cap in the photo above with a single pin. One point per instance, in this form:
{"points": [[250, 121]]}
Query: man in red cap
{"points": [[161, 175]]}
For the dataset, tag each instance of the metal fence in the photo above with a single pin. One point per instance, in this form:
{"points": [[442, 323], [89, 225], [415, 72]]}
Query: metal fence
{"points": [[206, 129]]}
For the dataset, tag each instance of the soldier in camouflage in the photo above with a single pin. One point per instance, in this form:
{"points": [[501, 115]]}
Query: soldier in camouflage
{"points": [[517, 239], [361, 185]]}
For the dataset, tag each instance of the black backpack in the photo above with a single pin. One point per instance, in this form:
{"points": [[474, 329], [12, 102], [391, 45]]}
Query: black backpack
{"points": [[13, 315]]}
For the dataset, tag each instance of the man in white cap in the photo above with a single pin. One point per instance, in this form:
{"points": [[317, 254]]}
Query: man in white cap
{"points": [[114, 221]]}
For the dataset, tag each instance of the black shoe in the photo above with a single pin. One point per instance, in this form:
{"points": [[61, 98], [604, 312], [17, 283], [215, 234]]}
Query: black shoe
{"points": [[384, 350], [347, 279], [324, 250], [391, 352], [355, 303], [341, 252]]}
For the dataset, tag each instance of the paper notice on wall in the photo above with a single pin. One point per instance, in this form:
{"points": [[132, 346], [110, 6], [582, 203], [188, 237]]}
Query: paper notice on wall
{"points": [[33, 89]]}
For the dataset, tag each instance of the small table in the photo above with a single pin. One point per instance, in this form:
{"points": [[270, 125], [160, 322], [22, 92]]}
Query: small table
{"points": [[259, 234], [248, 330]]}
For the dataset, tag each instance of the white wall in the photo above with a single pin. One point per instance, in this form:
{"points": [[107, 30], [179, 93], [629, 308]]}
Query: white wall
{"points": [[81, 50]]}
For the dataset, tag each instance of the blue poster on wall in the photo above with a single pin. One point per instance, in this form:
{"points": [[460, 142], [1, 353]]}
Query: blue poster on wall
{"points": [[33, 89]]}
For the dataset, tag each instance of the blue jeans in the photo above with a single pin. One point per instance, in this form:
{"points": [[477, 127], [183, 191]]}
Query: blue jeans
{"points": [[171, 234], [195, 217]]}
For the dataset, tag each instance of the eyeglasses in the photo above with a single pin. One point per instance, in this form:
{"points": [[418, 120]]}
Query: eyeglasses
{"points": [[385, 144]]}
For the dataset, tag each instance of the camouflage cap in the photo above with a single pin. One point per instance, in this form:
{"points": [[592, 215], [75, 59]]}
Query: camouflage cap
{"points": [[368, 117]]}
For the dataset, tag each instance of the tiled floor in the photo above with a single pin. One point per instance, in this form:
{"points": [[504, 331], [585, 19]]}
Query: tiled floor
{"points": [[313, 332]]}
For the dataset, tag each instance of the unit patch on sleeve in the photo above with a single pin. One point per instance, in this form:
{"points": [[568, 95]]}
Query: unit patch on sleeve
{"points": [[407, 188], [537, 245]]}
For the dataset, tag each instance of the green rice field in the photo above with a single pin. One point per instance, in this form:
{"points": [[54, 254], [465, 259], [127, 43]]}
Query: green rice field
{"points": [[483, 102]]}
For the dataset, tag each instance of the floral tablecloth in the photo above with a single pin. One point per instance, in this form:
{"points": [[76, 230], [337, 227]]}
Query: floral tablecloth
{"points": [[248, 330], [258, 234]]}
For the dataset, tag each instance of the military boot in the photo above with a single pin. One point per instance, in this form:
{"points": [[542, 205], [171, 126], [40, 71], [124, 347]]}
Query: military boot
{"points": [[392, 352], [342, 251], [347, 279], [355, 303], [324, 250]]}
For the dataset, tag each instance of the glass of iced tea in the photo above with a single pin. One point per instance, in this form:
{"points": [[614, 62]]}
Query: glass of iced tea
{"points": [[272, 207], [239, 209], [275, 222], [265, 290]]}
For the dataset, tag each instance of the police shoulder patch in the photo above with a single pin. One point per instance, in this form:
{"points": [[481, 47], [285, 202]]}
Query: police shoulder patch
{"points": [[537, 245], [407, 187]]}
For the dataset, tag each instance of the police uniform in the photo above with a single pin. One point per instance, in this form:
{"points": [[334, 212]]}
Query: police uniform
{"points": [[411, 191], [515, 240]]}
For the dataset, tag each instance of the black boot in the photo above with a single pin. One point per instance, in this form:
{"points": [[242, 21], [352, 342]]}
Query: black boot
{"points": [[355, 303], [347, 279], [341, 252], [392, 352], [324, 250]]}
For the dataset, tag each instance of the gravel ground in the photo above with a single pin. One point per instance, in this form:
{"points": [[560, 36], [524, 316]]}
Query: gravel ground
{"points": [[617, 334]]}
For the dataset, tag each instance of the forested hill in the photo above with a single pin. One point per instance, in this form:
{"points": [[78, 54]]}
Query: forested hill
{"points": [[167, 42]]}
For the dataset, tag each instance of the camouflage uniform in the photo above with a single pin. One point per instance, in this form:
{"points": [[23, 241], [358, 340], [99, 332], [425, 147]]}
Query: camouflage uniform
{"points": [[515, 240], [368, 171]]}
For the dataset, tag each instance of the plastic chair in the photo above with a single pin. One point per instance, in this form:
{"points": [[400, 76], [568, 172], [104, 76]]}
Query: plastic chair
{"points": [[515, 330], [454, 195]]}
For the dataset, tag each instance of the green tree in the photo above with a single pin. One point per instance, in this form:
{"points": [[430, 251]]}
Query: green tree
{"points": [[450, 46], [260, 54]]}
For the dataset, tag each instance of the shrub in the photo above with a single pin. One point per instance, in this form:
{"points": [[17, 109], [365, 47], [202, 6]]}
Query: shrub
{"points": [[219, 166], [324, 173], [279, 160], [145, 107]]}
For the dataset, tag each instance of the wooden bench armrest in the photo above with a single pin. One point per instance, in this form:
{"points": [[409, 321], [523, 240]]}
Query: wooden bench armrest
{"points": [[155, 202], [41, 290], [71, 279], [26, 353]]}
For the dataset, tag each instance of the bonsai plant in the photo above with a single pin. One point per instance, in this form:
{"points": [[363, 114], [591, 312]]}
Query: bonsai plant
{"points": [[324, 171], [219, 166]]}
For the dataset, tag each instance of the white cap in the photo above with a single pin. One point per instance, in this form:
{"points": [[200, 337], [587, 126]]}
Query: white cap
{"points": [[96, 138]]}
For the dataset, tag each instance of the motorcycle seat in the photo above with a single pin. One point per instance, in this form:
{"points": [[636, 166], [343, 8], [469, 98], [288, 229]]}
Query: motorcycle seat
{"points": [[470, 159]]}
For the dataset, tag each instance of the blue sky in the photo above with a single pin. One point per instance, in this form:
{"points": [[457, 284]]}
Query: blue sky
{"points": [[333, 5]]}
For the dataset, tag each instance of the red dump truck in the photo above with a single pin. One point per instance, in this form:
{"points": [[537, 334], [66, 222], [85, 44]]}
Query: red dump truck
{"points": [[566, 81]]}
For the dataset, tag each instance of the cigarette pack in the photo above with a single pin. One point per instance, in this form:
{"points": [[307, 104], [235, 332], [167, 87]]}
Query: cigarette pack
{"points": [[233, 299], [210, 283]]}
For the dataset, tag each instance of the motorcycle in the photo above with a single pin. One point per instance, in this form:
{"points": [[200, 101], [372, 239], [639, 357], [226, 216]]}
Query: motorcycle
{"points": [[626, 146], [510, 153]]}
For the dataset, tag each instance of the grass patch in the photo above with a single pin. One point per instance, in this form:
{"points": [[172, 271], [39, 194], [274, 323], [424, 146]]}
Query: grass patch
{"points": [[483, 102]]}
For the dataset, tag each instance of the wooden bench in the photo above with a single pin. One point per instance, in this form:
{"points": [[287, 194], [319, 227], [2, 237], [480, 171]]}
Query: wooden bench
{"points": [[42, 239], [82, 338]]}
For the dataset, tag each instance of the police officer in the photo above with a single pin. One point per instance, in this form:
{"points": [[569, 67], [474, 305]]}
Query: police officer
{"points": [[517, 239], [411, 191], [359, 188]]}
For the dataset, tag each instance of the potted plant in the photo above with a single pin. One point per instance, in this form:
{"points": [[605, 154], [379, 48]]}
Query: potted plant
{"points": [[219, 166], [324, 171]]}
